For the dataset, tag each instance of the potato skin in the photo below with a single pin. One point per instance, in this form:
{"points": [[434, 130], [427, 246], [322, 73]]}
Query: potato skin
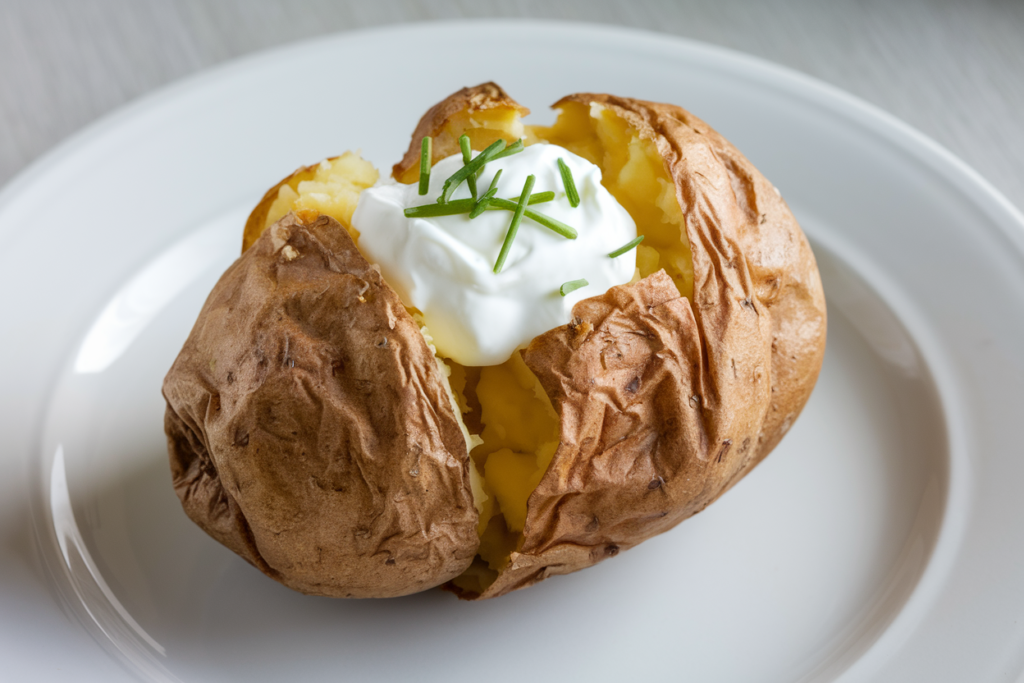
{"points": [[478, 98], [665, 404], [309, 429]]}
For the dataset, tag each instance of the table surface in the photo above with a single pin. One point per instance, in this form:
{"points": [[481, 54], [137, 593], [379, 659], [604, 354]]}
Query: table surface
{"points": [[954, 70]]}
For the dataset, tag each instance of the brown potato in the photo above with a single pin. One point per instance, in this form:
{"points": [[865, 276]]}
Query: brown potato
{"points": [[309, 428], [662, 393]]}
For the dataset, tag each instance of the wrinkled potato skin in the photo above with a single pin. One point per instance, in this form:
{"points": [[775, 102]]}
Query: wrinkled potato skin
{"points": [[478, 98], [665, 404], [309, 429]]}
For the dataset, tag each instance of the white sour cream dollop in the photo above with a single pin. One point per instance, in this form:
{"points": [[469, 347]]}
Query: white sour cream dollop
{"points": [[444, 266]]}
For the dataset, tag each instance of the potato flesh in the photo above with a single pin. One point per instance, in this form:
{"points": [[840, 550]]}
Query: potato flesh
{"points": [[520, 436], [333, 191], [634, 173], [520, 429]]}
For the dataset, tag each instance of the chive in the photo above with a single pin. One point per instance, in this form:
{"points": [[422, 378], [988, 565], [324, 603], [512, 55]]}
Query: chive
{"points": [[515, 148], [456, 178], [569, 183], [537, 217], [513, 227], [452, 208], [467, 156], [536, 197], [457, 206], [425, 165], [481, 205], [627, 246], [494, 184], [572, 286]]}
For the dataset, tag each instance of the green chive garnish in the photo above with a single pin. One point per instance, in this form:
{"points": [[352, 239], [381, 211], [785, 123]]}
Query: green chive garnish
{"points": [[569, 183], [627, 246], [537, 217], [494, 182], [535, 198], [515, 148], [457, 206], [467, 156], [425, 166], [513, 227], [452, 208], [481, 205], [572, 286], [478, 161]]}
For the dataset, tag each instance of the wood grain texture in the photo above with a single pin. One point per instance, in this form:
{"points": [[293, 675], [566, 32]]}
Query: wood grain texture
{"points": [[954, 70]]}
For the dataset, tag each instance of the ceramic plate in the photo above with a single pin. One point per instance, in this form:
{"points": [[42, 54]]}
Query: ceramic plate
{"points": [[882, 541]]}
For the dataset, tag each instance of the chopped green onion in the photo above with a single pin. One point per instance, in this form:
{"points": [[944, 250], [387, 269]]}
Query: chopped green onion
{"points": [[572, 286], [494, 184], [478, 161], [537, 217], [515, 148], [467, 156], [627, 246], [481, 205], [457, 206], [452, 208], [569, 183], [513, 227], [425, 165], [536, 198]]}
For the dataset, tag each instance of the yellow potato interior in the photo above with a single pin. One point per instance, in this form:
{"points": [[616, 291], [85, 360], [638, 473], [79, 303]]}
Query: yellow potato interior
{"points": [[333, 191], [634, 173], [510, 426], [519, 432]]}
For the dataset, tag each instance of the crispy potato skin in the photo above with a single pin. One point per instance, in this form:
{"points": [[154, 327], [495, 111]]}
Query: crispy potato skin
{"points": [[665, 404], [309, 429], [478, 98]]}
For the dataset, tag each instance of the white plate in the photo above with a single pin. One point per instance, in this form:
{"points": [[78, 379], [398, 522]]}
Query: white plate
{"points": [[881, 541]]}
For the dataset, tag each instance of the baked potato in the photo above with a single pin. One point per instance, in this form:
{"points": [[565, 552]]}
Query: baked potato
{"points": [[314, 429]]}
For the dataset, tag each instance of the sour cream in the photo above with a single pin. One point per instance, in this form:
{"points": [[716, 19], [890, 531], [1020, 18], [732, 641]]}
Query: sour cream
{"points": [[444, 266]]}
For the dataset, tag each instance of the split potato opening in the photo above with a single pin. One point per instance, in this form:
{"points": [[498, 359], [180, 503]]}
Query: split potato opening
{"points": [[509, 422]]}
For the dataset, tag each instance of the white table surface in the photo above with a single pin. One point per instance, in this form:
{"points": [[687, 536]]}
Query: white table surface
{"points": [[954, 70]]}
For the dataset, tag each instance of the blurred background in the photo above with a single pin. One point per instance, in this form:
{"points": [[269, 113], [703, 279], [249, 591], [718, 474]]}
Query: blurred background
{"points": [[954, 70]]}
